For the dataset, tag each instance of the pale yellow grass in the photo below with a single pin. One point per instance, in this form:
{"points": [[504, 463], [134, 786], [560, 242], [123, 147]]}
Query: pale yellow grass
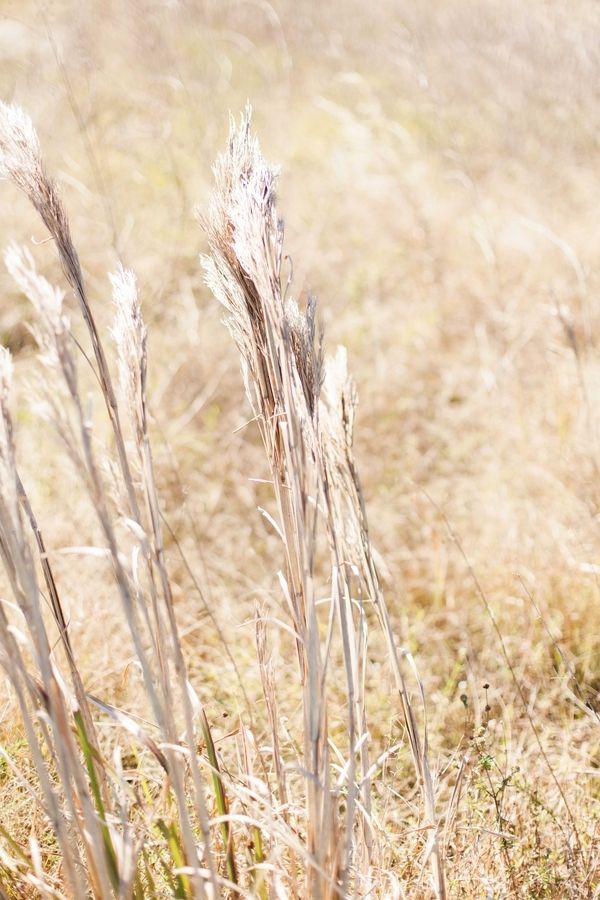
{"points": [[440, 187]]}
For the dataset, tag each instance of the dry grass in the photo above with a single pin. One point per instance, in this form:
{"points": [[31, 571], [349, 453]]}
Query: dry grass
{"points": [[439, 188]]}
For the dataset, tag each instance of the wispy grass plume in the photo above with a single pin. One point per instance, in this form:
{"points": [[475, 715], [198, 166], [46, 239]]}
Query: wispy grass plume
{"points": [[307, 435]]}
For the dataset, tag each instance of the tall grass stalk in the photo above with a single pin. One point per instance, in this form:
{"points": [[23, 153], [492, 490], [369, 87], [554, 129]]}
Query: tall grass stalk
{"points": [[305, 413], [114, 840], [147, 607]]}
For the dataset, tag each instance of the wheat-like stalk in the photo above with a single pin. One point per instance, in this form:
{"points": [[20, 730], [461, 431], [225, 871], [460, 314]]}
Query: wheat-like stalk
{"points": [[307, 435], [109, 839]]}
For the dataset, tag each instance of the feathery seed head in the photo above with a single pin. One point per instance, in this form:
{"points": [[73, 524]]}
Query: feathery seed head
{"points": [[52, 326], [129, 333], [45, 297], [19, 146]]}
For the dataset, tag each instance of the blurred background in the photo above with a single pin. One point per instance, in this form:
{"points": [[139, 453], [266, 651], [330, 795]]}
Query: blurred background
{"points": [[440, 176]]}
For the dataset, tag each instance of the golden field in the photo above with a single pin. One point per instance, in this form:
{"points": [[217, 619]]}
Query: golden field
{"points": [[439, 176]]}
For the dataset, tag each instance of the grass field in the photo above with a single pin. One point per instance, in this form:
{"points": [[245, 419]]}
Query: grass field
{"points": [[439, 176]]}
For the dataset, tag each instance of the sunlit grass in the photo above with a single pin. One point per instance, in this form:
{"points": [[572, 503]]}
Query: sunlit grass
{"points": [[438, 185]]}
